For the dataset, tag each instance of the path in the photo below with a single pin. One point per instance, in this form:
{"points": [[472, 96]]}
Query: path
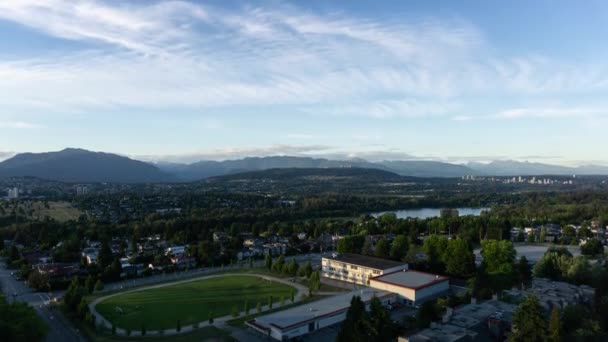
{"points": [[219, 322]]}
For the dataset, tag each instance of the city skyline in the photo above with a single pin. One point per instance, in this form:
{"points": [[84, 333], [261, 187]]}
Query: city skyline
{"points": [[190, 81]]}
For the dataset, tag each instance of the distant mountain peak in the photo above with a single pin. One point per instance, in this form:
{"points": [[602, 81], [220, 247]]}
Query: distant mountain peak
{"points": [[82, 166]]}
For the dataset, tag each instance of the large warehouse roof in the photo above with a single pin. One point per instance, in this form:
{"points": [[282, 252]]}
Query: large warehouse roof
{"points": [[366, 261], [410, 279], [307, 312]]}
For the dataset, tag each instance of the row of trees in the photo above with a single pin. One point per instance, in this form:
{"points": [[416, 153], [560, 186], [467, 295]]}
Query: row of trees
{"points": [[574, 323], [559, 264]]}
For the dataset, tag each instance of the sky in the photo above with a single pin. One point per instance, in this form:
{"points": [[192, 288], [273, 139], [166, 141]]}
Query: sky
{"points": [[183, 81]]}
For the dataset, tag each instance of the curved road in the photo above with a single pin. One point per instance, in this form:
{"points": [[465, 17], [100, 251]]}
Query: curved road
{"points": [[302, 291]]}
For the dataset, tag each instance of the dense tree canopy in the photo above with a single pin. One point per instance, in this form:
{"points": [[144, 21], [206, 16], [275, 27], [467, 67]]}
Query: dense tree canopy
{"points": [[528, 322], [19, 322]]}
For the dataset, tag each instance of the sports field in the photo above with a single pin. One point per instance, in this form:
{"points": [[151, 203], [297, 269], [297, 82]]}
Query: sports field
{"points": [[161, 308]]}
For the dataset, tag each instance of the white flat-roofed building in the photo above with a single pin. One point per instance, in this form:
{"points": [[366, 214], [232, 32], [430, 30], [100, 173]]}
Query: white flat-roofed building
{"points": [[307, 318], [412, 287], [358, 269]]}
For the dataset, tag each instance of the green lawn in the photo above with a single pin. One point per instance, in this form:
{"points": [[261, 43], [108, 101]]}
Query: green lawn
{"points": [[190, 302]]}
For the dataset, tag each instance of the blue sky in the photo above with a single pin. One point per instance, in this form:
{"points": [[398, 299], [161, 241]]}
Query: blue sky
{"points": [[183, 81]]}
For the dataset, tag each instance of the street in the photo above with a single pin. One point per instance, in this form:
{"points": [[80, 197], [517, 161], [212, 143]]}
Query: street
{"points": [[59, 328]]}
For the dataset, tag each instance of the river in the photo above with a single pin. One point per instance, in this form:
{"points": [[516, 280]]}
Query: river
{"points": [[423, 213]]}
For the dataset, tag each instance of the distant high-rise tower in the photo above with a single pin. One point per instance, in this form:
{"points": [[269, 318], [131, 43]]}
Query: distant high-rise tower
{"points": [[13, 193]]}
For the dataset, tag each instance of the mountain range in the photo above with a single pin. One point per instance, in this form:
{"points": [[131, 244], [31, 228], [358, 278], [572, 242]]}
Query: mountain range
{"points": [[82, 166]]}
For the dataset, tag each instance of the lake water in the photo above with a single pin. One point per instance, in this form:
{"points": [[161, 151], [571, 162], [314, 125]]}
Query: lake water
{"points": [[430, 212]]}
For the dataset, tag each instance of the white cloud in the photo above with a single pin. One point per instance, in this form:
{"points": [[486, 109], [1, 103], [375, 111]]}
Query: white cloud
{"points": [[6, 155], [186, 54], [552, 112], [237, 152], [18, 125]]}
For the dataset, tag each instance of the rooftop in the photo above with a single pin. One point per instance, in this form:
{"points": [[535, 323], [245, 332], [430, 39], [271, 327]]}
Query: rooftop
{"points": [[366, 261], [309, 311], [442, 333], [411, 279]]}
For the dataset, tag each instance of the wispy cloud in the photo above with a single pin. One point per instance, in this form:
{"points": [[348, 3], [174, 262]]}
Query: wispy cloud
{"points": [[552, 112], [6, 155], [238, 152], [18, 125], [187, 54]]}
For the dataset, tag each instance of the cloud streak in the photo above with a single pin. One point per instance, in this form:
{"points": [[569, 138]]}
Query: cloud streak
{"points": [[189, 55], [238, 152]]}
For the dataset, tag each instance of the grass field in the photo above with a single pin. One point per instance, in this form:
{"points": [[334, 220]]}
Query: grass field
{"points": [[191, 302], [38, 210]]}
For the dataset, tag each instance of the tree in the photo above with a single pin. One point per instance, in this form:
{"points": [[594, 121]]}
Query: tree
{"points": [[382, 249], [367, 248], [269, 302], [268, 262], [250, 263], [292, 295], [99, 285], [399, 247], [459, 258], [73, 295], [524, 270], [498, 255], [19, 322], [210, 317], [292, 269], [277, 266], [555, 327], [105, 258], [592, 247], [543, 235], [314, 283], [246, 308], [434, 247], [528, 322], [354, 326], [143, 330], [258, 307], [308, 269], [235, 311], [178, 326], [89, 285], [428, 312], [351, 244], [38, 281], [380, 321]]}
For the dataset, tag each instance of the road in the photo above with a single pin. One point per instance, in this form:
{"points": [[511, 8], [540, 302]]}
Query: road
{"points": [[59, 328]]}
